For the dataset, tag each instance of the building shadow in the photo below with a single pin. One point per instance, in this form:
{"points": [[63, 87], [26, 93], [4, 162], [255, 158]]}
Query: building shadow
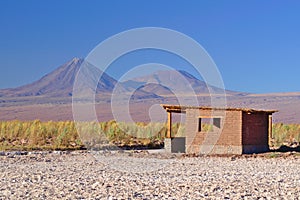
{"points": [[284, 149]]}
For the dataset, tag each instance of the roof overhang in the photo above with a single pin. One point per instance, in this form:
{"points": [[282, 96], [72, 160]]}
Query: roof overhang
{"points": [[182, 109]]}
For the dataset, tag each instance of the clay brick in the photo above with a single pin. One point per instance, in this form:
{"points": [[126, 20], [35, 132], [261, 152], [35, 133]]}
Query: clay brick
{"points": [[239, 128]]}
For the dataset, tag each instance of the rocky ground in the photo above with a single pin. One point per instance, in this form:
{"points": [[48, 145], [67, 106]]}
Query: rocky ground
{"points": [[141, 175]]}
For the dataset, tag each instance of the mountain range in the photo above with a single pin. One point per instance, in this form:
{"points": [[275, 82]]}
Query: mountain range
{"points": [[59, 83], [50, 97]]}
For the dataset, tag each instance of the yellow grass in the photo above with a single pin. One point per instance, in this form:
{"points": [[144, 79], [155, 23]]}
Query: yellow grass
{"points": [[285, 134], [30, 135]]}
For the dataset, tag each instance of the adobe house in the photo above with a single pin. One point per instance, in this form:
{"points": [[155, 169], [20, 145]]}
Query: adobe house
{"points": [[231, 130]]}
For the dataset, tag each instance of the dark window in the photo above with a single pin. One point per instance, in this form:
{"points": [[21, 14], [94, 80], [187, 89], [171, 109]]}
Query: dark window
{"points": [[199, 125], [217, 122]]}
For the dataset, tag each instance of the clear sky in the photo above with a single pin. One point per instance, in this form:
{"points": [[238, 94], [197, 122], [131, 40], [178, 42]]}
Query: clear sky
{"points": [[255, 44]]}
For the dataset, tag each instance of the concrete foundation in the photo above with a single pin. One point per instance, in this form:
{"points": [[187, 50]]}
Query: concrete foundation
{"points": [[224, 149], [175, 145]]}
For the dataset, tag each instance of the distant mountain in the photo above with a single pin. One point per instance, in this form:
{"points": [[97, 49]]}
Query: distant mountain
{"points": [[49, 98], [157, 89], [170, 82], [59, 83]]}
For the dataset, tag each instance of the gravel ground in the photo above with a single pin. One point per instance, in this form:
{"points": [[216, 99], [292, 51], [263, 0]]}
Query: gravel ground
{"points": [[136, 175]]}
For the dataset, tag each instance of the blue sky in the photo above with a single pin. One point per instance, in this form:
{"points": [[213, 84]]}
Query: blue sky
{"points": [[255, 44]]}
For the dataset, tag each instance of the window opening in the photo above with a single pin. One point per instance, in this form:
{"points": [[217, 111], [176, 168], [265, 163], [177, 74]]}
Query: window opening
{"points": [[209, 124]]}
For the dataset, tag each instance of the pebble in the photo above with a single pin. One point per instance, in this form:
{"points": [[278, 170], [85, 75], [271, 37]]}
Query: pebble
{"points": [[82, 175]]}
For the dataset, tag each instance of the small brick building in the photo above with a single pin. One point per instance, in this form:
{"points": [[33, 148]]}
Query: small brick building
{"points": [[231, 130]]}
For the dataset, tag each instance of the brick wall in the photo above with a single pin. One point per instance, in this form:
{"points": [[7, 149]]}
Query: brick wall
{"points": [[255, 128], [191, 127], [240, 132], [227, 139]]}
